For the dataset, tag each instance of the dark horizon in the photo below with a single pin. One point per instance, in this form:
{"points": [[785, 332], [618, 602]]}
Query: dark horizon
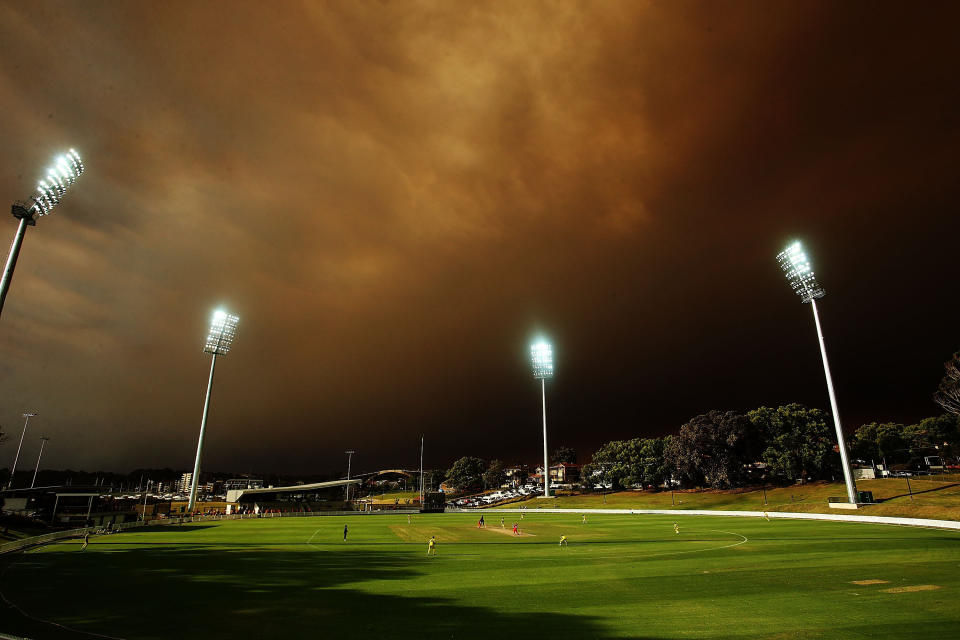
{"points": [[396, 199]]}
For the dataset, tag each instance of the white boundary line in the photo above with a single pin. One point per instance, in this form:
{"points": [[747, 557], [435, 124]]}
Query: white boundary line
{"points": [[908, 522]]}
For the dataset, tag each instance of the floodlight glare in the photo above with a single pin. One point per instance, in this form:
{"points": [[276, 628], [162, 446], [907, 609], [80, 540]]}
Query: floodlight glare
{"points": [[541, 356], [795, 264], [50, 191], [223, 329]]}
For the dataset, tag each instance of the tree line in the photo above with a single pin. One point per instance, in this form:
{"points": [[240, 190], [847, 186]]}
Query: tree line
{"points": [[727, 449]]}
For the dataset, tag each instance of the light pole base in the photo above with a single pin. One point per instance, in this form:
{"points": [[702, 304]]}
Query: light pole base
{"points": [[546, 497], [844, 505]]}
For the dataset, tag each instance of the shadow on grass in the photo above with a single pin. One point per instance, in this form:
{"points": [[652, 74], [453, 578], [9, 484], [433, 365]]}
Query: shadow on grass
{"points": [[917, 493], [172, 591]]}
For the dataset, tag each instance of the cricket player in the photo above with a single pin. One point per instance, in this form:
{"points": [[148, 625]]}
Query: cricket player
{"points": [[86, 540], [344, 533], [432, 546], [766, 517], [676, 528], [584, 521], [563, 541], [516, 529]]}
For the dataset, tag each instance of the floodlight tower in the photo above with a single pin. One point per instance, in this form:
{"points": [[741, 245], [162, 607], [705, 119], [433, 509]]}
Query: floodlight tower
{"points": [[16, 458], [796, 266], [349, 453], [223, 329], [541, 356], [66, 169], [43, 441]]}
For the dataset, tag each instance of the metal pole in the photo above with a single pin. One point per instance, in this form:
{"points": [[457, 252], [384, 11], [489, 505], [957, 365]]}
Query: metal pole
{"points": [[145, 501], [13, 470], [43, 441], [546, 465], [841, 443], [12, 259], [349, 459], [203, 426], [421, 471]]}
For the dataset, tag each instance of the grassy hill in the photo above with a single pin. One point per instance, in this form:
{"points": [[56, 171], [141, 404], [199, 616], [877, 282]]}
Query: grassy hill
{"points": [[935, 497]]}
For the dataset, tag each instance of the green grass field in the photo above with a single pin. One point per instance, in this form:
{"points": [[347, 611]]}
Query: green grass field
{"points": [[620, 577]]}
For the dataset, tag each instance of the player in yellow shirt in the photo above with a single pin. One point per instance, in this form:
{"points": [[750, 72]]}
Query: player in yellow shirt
{"points": [[432, 546], [563, 541], [676, 528]]}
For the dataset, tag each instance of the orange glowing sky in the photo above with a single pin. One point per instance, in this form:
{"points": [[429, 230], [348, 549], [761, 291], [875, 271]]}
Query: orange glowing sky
{"points": [[395, 196]]}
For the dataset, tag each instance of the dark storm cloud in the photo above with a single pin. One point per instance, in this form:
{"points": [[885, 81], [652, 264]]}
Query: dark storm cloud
{"points": [[396, 196]]}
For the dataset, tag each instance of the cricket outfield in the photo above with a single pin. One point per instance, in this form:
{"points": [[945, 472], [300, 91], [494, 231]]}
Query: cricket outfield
{"points": [[622, 576]]}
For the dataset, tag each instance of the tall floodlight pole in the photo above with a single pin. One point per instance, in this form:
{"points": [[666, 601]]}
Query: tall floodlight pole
{"points": [[223, 329], [16, 458], [796, 266], [349, 459], [541, 355], [43, 441], [65, 170], [421, 471]]}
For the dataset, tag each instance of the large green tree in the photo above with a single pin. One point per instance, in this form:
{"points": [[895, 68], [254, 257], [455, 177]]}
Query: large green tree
{"points": [[713, 448], [466, 473], [878, 441], [799, 442], [653, 466], [619, 463], [495, 475]]}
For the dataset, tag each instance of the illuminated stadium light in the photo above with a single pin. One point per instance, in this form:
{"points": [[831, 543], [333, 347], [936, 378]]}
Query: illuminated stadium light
{"points": [[16, 459], [50, 191], [795, 264], [541, 357], [43, 442], [223, 329]]}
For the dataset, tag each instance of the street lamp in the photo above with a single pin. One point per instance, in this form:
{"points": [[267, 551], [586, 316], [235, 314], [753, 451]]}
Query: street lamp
{"points": [[541, 357], [223, 329], [66, 169], [16, 458], [43, 441], [349, 459], [796, 266]]}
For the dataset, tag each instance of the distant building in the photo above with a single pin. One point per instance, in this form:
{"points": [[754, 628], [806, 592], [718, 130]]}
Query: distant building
{"points": [[517, 475], [563, 473], [242, 483]]}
